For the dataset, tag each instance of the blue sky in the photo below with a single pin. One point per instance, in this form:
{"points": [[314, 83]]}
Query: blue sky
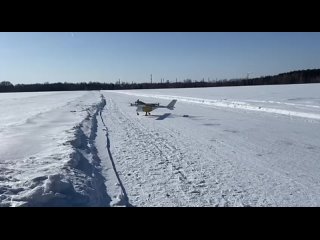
{"points": [[106, 57]]}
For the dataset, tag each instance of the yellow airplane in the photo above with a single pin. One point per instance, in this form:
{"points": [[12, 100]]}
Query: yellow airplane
{"points": [[148, 107]]}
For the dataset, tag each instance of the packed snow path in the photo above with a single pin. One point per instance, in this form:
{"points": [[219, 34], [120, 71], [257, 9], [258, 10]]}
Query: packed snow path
{"points": [[241, 146], [222, 154]]}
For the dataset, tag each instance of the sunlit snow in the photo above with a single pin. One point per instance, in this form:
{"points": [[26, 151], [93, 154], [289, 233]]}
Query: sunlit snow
{"points": [[224, 146]]}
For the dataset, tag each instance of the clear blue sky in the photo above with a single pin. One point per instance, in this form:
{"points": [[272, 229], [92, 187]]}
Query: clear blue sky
{"points": [[106, 57]]}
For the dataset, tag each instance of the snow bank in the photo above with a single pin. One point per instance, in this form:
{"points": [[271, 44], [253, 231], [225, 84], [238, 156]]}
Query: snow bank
{"points": [[66, 176]]}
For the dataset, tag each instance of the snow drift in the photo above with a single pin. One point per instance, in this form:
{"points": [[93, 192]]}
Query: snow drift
{"points": [[67, 174]]}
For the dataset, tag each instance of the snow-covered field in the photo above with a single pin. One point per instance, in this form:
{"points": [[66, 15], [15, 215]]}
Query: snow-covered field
{"points": [[228, 146]]}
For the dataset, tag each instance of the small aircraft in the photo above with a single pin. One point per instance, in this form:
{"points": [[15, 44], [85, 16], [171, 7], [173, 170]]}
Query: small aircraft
{"points": [[148, 107]]}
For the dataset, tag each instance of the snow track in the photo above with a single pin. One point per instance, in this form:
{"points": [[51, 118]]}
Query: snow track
{"points": [[153, 175], [159, 169], [236, 104], [218, 158], [115, 185]]}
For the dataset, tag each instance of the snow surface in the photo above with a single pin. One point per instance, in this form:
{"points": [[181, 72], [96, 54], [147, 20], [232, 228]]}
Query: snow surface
{"points": [[226, 146], [45, 153]]}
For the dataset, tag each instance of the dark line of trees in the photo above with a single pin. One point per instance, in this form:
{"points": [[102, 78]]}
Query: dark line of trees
{"points": [[295, 77]]}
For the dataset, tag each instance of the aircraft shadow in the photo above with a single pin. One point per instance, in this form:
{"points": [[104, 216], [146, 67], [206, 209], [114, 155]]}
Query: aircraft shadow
{"points": [[161, 117]]}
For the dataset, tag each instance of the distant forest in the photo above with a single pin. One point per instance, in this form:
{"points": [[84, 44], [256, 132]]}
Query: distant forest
{"points": [[295, 77]]}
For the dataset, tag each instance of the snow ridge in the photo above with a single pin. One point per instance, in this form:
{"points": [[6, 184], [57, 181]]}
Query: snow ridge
{"points": [[86, 159], [77, 182]]}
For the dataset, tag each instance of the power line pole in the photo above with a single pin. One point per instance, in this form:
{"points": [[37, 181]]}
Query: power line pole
{"points": [[151, 78]]}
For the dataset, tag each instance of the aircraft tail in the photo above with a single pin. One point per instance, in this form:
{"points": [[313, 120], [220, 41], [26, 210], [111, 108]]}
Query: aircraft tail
{"points": [[171, 104]]}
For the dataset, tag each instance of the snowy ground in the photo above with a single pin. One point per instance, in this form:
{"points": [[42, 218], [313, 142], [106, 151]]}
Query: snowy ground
{"points": [[46, 155], [231, 146]]}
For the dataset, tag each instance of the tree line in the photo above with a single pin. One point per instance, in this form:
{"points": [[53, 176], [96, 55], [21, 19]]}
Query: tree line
{"points": [[294, 77]]}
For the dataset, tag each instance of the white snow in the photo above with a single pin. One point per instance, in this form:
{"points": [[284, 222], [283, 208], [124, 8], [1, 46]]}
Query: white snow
{"points": [[226, 146], [42, 139]]}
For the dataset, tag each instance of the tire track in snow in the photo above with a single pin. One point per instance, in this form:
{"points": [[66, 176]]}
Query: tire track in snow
{"points": [[158, 163], [285, 103], [148, 149], [123, 197], [238, 174], [239, 179], [280, 178], [229, 104], [153, 166]]}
